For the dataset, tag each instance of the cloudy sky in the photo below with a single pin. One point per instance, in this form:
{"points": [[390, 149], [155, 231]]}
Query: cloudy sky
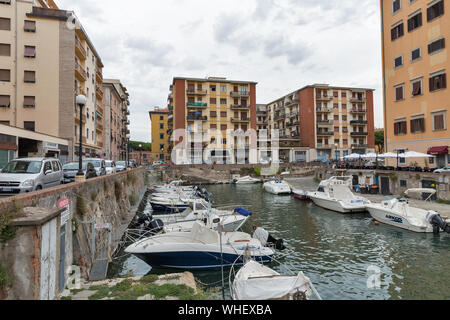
{"points": [[282, 44]]}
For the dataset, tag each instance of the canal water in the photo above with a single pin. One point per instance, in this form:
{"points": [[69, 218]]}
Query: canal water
{"points": [[343, 255]]}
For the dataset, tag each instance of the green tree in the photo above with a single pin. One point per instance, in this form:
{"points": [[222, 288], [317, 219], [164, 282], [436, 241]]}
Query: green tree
{"points": [[379, 140], [146, 146]]}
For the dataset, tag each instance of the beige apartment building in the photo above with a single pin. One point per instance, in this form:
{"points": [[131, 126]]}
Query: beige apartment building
{"points": [[415, 66], [45, 61], [115, 119], [321, 122], [218, 107]]}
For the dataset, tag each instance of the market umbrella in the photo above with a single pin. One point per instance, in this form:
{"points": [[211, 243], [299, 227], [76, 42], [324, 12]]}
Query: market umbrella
{"points": [[414, 154], [370, 156], [353, 156], [388, 155]]}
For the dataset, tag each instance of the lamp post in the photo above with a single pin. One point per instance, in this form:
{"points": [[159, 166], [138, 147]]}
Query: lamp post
{"points": [[140, 154], [80, 101], [128, 150]]}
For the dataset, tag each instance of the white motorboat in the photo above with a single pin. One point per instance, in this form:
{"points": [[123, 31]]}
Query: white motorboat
{"points": [[398, 213], [201, 248], [277, 187], [335, 194], [255, 281], [246, 180], [174, 186]]}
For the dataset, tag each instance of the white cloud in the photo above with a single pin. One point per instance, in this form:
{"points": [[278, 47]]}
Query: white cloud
{"points": [[281, 44]]}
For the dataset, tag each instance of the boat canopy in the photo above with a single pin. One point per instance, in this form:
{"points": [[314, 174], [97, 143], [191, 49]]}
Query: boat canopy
{"points": [[243, 212]]}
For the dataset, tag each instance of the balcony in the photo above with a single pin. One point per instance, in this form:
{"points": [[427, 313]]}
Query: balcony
{"points": [[324, 110], [196, 118], [360, 146], [239, 107], [79, 72], [325, 133], [290, 102], [261, 122], [100, 144], [197, 92], [240, 94], [323, 146], [237, 120], [359, 134], [77, 117], [99, 75], [197, 105], [325, 122], [292, 124], [358, 99], [99, 92], [358, 111], [79, 50], [290, 144], [358, 122], [99, 127], [293, 114], [324, 98]]}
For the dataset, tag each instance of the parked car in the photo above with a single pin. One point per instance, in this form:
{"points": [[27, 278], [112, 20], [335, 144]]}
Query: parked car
{"points": [[443, 170], [121, 166], [110, 167], [30, 174], [71, 170], [133, 164], [99, 165]]}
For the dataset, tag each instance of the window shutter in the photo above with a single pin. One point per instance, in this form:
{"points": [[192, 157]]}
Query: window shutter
{"points": [[429, 14], [5, 24], [431, 84], [29, 76], [419, 19], [442, 43], [5, 49], [441, 7], [30, 26], [413, 127], [410, 24], [4, 101], [392, 38], [444, 81], [5, 75], [400, 31]]}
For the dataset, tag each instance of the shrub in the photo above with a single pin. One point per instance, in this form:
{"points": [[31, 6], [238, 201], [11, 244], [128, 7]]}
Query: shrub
{"points": [[5, 278], [81, 207], [258, 171]]}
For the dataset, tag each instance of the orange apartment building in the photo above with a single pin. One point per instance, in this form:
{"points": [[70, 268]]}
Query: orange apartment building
{"points": [[415, 67], [320, 122], [217, 110], [159, 119]]}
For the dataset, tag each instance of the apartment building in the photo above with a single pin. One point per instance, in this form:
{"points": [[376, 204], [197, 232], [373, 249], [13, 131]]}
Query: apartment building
{"points": [[159, 119], [415, 66], [220, 112], [44, 62], [115, 119], [320, 122]]}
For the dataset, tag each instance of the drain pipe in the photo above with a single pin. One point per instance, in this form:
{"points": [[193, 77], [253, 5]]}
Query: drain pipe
{"points": [[15, 64]]}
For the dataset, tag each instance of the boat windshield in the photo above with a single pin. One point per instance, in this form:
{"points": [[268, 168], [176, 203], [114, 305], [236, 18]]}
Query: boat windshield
{"points": [[320, 189], [27, 167]]}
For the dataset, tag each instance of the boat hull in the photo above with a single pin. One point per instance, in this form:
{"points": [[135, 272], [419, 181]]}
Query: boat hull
{"points": [[168, 208], [195, 260], [335, 205], [394, 219]]}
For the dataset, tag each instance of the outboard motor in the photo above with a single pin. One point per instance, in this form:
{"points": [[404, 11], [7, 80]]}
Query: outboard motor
{"points": [[266, 239], [436, 221], [155, 226]]}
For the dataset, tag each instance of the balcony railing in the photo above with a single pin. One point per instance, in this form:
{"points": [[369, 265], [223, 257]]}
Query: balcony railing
{"points": [[289, 102], [360, 146], [359, 134], [79, 71], [197, 118], [358, 99], [99, 92], [325, 122], [99, 127], [323, 110], [292, 124], [323, 146], [197, 92], [358, 111], [325, 133], [81, 52], [237, 120], [293, 114], [77, 117], [239, 107], [324, 98], [99, 75], [240, 94], [358, 122], [201, 105]]}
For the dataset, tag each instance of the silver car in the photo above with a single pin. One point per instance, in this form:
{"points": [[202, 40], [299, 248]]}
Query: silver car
{"points": [[30, 174], [99, 165], [110, 167], [443, 170]]}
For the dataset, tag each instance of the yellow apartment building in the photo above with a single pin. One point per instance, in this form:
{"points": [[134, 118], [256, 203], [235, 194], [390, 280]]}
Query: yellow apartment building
{"points": [[160, 135], [415, 65], [45, 61], [213, 108]]}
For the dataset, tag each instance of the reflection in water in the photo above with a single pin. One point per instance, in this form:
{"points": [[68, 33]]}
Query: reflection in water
{"points": [[334, 250]]}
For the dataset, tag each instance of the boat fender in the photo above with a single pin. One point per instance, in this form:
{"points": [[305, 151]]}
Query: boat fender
{"points": [[436, 221]]}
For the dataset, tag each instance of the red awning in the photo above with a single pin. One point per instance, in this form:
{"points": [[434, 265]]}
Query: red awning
{"points": [[438, 150]]}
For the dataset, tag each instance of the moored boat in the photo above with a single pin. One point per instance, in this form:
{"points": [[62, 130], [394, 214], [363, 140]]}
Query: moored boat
{"points": [[277, 187]]}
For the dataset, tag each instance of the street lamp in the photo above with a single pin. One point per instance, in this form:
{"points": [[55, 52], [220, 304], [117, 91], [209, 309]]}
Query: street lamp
{"points": [[80, 101]]}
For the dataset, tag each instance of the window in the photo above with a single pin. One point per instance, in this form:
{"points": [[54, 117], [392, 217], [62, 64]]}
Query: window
{"points": [[191, 88], [30, 51], [415, 22], [336, 117], [223, 127], [397, 32], [398, 62], [416, 54], [431, 160], [5, 49], [161, 118], [5, 75], [435, 11], [6, 123], [344, 118], [223, 101], [29, 125], [396, 5], [418, 125], [223, 88], [29, 26], [336, 106], [439, 121], [161, 125], [223, 114], [212, 88], [343, 94], [399, 92], [29, 102], [213, 126], [5, 24], [416, 87], [161, 147], [191, 100], [335, 94], [436, 46], [403, 184], [400, 128], [336, 129], [213, 101], [161, 135], [5, 101], [344, 106], [213, 114], [438, 82]]}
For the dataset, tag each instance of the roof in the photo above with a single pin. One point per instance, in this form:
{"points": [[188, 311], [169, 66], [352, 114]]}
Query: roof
{"points": [[213, 79], [160, 111]]}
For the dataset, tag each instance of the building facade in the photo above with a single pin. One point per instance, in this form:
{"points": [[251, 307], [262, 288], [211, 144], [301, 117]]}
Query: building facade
{"points": [[415, 64], [320, 123], [115, 119], [159, 119], [215, 116], [43, 66]]}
